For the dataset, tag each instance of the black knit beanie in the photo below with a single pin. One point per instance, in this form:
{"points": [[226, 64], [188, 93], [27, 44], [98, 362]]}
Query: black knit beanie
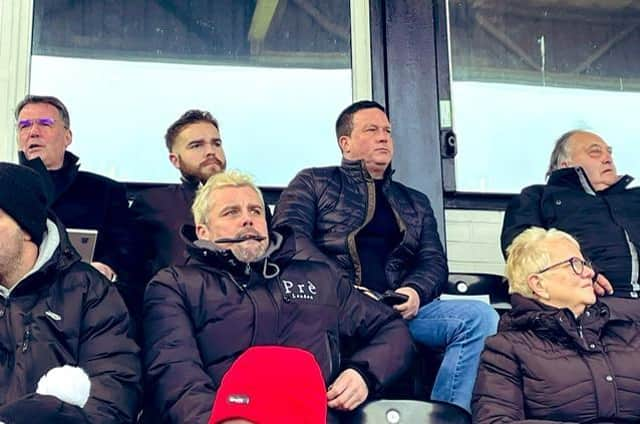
{"points": [[23, 197]]}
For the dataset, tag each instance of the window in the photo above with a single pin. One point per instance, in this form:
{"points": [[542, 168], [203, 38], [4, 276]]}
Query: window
{"points": [[275, 75], [525, 73]]}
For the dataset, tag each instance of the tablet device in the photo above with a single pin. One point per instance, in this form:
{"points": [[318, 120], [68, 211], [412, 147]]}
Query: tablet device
{"points": [[84, 241]]}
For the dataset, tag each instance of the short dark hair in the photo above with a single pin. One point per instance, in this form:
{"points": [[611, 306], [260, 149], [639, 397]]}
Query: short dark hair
{"points": [[344, 124], [50, 100], [189, 117]]}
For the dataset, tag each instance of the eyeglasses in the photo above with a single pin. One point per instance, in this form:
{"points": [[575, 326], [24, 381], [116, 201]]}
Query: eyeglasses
{"points": [[577, 265], [24, 124]]}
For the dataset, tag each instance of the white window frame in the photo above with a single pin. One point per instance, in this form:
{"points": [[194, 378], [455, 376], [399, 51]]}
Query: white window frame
{"points": [[16, 25]]}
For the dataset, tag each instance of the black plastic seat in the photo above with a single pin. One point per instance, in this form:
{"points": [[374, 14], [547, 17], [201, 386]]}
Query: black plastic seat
{"points": [[495, 286], [410, 412]]}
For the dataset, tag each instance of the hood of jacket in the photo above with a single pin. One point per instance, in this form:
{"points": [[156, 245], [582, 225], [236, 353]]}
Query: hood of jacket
{"points": [[281, 250], [55, 254]]}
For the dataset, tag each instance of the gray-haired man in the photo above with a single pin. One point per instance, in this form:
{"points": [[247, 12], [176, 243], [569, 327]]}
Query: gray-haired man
{"points": [[586, 197]]}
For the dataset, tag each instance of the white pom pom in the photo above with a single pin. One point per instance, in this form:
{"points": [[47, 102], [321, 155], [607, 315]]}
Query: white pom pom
{"points": [[67, 383]]}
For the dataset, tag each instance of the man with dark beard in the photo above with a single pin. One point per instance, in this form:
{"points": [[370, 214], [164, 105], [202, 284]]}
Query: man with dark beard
{"points": [[195, 149], [241, 287]]}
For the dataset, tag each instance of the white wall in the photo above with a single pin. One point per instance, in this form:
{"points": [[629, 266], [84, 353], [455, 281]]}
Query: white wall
{"points": [[15, 50], [473, 241]]}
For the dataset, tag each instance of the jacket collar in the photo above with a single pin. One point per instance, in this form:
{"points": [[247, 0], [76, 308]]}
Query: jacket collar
{"points": [[357, 170], [66, 174], [190, 183], [576, 178], [560, 324], [280, 251]]}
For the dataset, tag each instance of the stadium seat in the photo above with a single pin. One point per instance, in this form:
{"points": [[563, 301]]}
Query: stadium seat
{"points": [[479, 284], [410, 412]]}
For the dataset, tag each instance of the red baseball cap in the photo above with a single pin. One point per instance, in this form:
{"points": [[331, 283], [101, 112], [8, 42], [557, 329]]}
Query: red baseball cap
{"points": [[272, 384]]}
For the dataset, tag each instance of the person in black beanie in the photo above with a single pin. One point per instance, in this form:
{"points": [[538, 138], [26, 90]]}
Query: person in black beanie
{"points": [[66, 344], [22, 195]]}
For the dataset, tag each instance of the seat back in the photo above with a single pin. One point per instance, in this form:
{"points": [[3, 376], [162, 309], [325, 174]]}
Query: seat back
{"points": [[466, 284], [410, 412]]}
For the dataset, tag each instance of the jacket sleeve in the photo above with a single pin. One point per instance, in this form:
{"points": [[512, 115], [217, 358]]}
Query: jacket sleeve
{"points": [[387, 348], [430, 270], [523, 211], [39, 409], [179, 389], [297, 209], [109, 355]]}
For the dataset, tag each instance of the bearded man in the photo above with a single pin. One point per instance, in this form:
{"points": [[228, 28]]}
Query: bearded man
{"points": [[242, 287]]}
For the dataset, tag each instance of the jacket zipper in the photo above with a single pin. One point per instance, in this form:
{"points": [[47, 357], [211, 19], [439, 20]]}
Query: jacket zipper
{"points": [[351, 238], [26, 339]]}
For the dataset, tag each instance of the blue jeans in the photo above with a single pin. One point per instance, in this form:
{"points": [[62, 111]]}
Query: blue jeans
{"points": [[459, 327]]}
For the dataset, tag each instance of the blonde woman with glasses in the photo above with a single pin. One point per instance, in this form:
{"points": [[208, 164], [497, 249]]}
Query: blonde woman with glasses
{"points": [[561, 354]]}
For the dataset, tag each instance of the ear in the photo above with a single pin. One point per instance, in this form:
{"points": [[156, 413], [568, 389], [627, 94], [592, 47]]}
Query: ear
{"points": [[537, 286], [68, 138], [203, 233], [175, 160], [345, 144], [565, 164]]}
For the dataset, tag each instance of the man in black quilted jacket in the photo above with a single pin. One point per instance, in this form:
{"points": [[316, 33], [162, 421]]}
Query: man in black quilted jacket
{"points": [[382, 236], [243, 287]]}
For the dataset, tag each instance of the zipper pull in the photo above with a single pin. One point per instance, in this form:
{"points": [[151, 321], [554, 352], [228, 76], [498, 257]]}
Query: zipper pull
{"points": [[26, 339]]}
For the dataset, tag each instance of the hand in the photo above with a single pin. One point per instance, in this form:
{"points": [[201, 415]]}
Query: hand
{"points": [[348, 391], [602, 286], [105, 270], [408, 309]]}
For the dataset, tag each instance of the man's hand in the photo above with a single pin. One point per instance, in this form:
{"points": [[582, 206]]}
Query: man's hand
{"points": [[105, 270], [348, 391], [602, 286], [408, 309]]}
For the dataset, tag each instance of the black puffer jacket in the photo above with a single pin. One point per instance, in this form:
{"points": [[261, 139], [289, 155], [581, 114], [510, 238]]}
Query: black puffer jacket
{"points": [[198, 318], [600, 221], [544, 364], [66, 313], [330, 205]]}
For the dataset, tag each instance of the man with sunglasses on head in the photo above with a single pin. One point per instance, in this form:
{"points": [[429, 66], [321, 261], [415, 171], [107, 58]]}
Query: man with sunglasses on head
{"points": [[585, 197], [80, 199]]}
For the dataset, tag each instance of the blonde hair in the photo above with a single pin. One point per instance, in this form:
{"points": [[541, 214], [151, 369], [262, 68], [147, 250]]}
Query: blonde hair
{"points": [[528, 254], [204, 201]]}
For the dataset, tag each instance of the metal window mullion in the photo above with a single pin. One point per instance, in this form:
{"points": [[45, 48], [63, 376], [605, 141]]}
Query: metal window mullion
{"points": [[360, 50]]}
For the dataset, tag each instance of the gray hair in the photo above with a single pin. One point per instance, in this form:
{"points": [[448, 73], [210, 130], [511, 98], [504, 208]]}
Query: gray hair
{"points": [[560, 151], [50, 100]]}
